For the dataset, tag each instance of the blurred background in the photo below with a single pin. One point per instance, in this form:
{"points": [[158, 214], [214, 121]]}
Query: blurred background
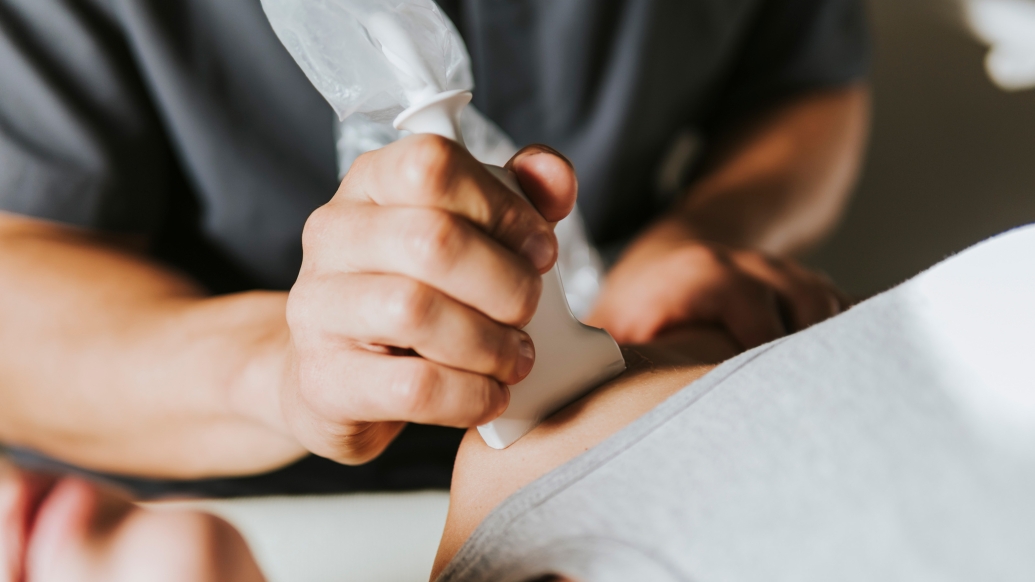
{"points": [[952, 153]]}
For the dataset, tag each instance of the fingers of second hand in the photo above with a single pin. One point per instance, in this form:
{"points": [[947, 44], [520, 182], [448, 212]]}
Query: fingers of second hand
{"points": [[837, 299], [394, 310], [797, 289], [720, 293], [819, 297], [751, 312], [434, 172]]}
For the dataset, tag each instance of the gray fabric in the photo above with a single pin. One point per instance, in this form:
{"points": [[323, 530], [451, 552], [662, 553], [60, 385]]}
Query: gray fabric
{"points": [[105, 103], [894, 442]]}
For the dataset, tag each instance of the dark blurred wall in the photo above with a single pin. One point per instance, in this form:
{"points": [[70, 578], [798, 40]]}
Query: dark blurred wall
{"points": [[952, 157]]}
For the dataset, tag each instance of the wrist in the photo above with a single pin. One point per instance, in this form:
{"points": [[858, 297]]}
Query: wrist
{"points": [[263, 363]]}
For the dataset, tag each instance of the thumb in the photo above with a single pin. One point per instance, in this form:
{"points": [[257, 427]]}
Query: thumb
{"points": [[547, 178]]}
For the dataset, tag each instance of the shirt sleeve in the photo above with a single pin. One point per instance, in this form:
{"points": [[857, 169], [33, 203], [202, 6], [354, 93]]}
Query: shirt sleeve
{"points": [[80, 142], [795, 46]]}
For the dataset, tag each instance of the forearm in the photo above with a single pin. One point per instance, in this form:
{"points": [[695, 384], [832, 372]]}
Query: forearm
{"points": [[721, 255], [781, 183], [112, 362]]}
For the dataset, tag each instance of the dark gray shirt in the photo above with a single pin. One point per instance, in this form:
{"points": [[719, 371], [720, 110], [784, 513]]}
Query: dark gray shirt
{"points": [[187, 120]]}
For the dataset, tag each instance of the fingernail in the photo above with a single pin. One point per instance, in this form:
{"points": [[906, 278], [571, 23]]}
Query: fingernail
{"points": [[538, 249], [550, 150], [526, 358]]}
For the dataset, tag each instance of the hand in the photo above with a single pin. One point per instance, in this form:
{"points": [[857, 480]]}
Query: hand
{"points": [[415, 280], [666, 281]]}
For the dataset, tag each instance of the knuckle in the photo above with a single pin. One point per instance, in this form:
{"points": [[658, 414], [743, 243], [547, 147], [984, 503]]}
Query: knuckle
{"points": [[430, 164], [700, 256], [296, 310], [315, 393], [435, 241], [362, 164], [414, 392], [316, 226], [408, 306], [303, 306]]}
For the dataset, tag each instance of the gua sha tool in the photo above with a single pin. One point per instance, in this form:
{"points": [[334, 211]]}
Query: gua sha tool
{"points": [[571, 358]]}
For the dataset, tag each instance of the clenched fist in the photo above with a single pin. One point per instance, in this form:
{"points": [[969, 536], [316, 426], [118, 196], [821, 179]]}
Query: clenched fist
{"points": [[416, 279]]}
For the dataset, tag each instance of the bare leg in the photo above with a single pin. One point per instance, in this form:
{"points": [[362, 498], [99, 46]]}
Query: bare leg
{"points": [[484, 477], [70, 530]]}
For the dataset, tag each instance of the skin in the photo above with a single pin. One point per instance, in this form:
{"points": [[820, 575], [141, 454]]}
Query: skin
{"points": [[114, 362], [483, 477], [416, 278], [774, 188], [68, 530]]}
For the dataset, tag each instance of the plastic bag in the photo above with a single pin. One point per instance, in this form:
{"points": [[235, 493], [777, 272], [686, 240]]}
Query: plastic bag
{"points": [[331, 41], [335, 42], [358, 134]]}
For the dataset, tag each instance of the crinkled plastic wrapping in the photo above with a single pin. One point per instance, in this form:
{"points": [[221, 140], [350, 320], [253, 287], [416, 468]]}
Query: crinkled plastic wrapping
{"points": [[358, 134], [330, 41], [579, 262]]}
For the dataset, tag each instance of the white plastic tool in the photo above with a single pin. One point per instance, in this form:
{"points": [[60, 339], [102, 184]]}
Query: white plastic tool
{"points": [[571, 357]]}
